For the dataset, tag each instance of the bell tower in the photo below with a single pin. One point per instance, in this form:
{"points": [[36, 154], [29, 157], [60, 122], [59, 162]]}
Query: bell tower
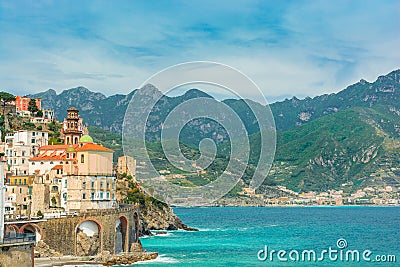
{"points": [[72, 127]]}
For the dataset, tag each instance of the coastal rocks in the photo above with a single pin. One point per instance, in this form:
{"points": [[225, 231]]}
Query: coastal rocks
{"points": [[129, 258], [43, 250], [104, 256], [87, 245], [136, 247], [157, 218]]}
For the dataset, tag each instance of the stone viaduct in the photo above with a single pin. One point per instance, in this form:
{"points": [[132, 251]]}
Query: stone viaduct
{"points": [[86, 234]]}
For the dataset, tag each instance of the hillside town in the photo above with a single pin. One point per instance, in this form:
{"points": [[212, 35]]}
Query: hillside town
{"points": [[52, 180], [59, 186]]}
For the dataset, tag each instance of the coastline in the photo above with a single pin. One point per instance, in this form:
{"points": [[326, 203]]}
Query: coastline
{"points": [[123, 258]]}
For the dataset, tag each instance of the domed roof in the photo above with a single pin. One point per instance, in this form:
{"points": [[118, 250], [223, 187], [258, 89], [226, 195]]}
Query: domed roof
{"points": [[86, 139], [70, 149]]}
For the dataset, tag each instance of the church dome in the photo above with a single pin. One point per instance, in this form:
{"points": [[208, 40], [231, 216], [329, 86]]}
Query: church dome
{"points": [[70, 149], [86, 139]]}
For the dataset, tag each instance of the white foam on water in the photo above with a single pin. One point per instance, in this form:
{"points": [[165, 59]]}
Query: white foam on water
{"points": [[160, 259]]}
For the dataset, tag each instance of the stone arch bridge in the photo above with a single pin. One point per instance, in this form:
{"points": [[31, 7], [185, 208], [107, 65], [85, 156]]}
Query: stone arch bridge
{"points": [[86, 234]]}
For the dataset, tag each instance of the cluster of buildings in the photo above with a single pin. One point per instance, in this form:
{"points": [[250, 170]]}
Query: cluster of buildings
{"points": [[20, 108], [386, 195], [52, 180]]}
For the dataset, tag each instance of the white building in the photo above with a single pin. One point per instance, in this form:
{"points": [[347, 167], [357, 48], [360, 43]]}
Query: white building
{"points": [[20, 146]]}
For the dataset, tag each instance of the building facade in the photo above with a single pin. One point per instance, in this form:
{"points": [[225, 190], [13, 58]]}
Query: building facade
{"points": [[127, 165], [20, 146], [22, 103]]}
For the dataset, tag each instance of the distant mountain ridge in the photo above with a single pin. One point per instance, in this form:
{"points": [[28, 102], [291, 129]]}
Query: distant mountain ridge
{"points": [[108, 112]]}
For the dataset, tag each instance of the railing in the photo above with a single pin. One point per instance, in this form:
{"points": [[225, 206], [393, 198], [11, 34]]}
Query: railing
{"points": [[18, 238]]}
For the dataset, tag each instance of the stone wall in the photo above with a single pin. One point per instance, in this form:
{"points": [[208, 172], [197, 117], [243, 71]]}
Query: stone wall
{"points": [[61, 233], [15, 256]]}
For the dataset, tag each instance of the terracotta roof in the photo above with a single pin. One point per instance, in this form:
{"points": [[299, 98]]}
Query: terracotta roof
{"points": [[53, 147], [93, 147], [57, 167], [46, 157]]}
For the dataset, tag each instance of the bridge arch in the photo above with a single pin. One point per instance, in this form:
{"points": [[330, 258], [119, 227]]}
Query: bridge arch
{"points": [[88, 239], [11, 230], [121, 234], [31, 228]]}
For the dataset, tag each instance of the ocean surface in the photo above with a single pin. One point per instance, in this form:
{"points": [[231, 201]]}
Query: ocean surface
{"points": [[234, 236]]}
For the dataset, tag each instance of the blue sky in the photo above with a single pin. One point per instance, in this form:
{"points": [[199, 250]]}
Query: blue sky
{"points": [[287, 47]]}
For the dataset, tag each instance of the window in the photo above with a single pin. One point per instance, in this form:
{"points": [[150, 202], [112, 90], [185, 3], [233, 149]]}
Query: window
{"points": [[20, 181], [108, 185], [23, 153], [23, 161], [92, 184], [82, 159], [20, 190], [92, 196], [101, 184], [101, 195], [33, 133], [24, 181], [33, 141], [83, 196], [33, 163], [108, 195], [43, 134]]}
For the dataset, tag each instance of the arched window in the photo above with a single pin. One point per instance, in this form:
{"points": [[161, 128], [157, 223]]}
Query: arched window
{"points": [[82, 159]]}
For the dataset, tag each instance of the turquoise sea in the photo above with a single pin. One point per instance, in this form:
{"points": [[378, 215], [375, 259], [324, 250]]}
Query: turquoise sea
{"points": [[233, 236]]}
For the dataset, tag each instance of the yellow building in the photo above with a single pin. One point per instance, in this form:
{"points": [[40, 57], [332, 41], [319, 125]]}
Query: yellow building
{"points": [[18, 196], [126, 165]]}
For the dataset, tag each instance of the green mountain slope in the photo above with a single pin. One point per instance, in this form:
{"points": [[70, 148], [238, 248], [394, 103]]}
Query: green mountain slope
{"points": [[348, 147]]}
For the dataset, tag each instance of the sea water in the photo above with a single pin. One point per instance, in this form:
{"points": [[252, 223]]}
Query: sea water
{"points": [[239, 236]]}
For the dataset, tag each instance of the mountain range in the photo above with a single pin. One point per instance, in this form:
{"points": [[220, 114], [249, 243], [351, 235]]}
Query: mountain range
{"points": [[346, 140]]}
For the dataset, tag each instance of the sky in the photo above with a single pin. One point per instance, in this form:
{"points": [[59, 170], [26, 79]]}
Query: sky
{"points": [[288, 48]]}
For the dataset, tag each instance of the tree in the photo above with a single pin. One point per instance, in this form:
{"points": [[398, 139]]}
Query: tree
{"points": [[5, 98], [39, 113], [32, 106], [39, 214]]}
